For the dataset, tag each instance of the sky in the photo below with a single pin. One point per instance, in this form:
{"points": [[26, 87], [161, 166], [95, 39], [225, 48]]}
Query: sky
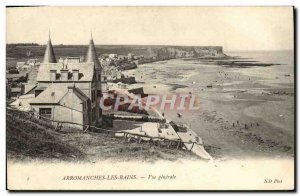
{"points": [[234, 28]]}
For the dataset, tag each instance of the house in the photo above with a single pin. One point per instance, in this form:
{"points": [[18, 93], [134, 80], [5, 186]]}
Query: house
{"points": [[130, 56], [27, 65], [113, 56], [16, 77], [69, 91], [61, 102], [32, 62], [107, 62], [22, 103], [16, 92], [20, 65], [110, 73]]}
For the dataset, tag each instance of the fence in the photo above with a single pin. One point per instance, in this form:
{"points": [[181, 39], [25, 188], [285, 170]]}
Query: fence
{"points": [[57, 126], [137, 118]]}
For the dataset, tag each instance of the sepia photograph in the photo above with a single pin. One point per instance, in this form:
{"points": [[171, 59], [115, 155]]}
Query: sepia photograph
{"points": [[150, 98]]}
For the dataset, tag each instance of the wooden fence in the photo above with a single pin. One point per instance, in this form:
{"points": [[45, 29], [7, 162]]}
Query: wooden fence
{"points": [[57, 126]]}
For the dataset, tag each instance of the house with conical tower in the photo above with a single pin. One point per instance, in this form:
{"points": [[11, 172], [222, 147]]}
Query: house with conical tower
{"points": [[70, 90]]}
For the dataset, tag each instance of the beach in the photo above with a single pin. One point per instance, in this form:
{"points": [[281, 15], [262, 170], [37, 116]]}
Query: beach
{"points": [[244, 111]]}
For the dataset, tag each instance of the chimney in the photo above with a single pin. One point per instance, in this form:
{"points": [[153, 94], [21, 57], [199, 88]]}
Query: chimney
{"points": [[52, 75], [75, 74], [64, 74]]}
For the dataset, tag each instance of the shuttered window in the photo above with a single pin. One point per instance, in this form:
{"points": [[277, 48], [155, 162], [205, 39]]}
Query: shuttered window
{"points": [[45, 112]]}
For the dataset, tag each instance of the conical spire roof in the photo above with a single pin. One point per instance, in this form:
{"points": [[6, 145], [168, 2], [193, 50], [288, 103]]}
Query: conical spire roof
{"points": [[91, 55], [49, 56]]}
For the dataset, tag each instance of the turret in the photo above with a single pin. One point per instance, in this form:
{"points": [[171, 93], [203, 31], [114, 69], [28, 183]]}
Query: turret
{"points": [[49, 56], [91, 56]]}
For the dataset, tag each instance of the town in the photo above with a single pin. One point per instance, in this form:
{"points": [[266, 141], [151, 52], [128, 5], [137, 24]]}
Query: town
{"points": [[68, 92]]}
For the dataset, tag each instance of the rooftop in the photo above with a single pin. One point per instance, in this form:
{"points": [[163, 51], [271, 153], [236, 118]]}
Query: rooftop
{"points": [[86, 71], [49, 56], [55, 92], [15, 90]]}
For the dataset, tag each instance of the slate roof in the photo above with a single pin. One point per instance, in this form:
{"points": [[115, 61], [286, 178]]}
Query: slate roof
{"points": [[55, 92], [80, 94], [91, 56], [29, 87], [49, 56], [86, 71]]}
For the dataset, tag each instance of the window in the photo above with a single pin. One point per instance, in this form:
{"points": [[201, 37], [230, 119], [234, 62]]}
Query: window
{"points": [[45, 112], [93, 96], [37, 92]]}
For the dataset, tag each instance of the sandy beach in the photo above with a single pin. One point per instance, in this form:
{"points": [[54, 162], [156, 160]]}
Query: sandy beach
{"points": [[248, 111]]}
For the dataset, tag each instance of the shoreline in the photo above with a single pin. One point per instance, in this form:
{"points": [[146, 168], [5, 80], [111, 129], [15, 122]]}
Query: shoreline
{"points": [[214, 100]]}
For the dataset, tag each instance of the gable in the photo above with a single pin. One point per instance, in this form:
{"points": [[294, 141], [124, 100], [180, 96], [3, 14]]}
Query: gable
{"points": [[71, 100]]}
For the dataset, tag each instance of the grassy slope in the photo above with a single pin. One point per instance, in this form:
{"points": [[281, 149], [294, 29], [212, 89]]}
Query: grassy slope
{"points": [[28, 140]]}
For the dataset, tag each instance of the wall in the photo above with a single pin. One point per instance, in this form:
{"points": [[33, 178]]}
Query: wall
{"points": [[70, 110]]}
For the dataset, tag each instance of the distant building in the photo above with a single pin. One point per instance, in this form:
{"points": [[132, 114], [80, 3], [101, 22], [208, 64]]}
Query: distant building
{"points": [[20, 65], [27, 65], [139, 61], [16, 77], [33, 62], [113, 56], [130, 56], [72, 60], [109, 73], [16, 92], [22, 103], [106, 62]]}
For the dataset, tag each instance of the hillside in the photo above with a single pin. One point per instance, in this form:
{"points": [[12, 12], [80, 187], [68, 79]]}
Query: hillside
{"points": [[33, 140], [26, 139], [20, 51]]}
